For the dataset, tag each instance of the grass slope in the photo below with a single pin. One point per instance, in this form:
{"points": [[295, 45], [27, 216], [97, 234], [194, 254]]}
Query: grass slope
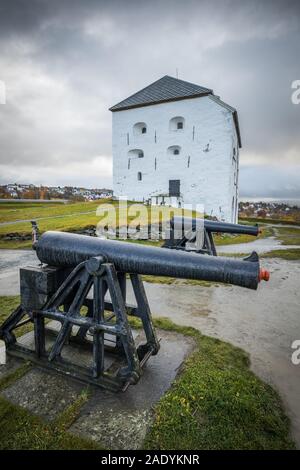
{"points": [[76, 216], [83, 215], [13, 211]]}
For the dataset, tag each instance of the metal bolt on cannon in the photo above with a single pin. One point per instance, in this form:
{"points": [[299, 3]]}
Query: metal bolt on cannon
{"points": [[81, 283]]}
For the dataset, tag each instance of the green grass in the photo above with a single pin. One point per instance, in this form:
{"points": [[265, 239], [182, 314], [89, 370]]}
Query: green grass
{"points": [[218, 403], [288, 235], [228, 239], [10, 212], [172, 280], [257, 220], [8, 303], [73, 217], [15, 245], [157, 243], [66, 223], [234, 255], [21, 430], [292, 254], [8, 379]]}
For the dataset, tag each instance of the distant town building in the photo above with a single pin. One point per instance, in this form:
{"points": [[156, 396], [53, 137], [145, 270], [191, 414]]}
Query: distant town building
{"points": [[32, 192], [177, 143]]}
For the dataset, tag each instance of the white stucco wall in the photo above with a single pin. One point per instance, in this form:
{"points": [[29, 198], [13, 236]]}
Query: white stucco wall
{"points": [[205, 166]]}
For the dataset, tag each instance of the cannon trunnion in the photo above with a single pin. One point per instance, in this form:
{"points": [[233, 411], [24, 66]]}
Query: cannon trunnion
{"points": [[82, 286]]}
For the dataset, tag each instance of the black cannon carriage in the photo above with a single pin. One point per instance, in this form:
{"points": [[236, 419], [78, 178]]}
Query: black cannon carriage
{"points": [[85, 273]]}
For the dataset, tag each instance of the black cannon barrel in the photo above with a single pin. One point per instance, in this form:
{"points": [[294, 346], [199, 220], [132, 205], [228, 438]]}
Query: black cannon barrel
{"points": [[66, 249], [214, 226]]}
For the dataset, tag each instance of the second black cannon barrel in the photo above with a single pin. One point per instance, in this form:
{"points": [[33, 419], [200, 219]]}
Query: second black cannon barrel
{"points": [[214, 226]]}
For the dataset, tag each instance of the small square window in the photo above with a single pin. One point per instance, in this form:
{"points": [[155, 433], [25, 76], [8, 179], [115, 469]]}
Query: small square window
{"points": [[176, 152], [180, 125], [144, 130]]}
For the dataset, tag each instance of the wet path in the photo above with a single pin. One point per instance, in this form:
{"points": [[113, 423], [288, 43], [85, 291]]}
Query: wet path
{"points": [[10, 262], [261, 245], [263, 322]]}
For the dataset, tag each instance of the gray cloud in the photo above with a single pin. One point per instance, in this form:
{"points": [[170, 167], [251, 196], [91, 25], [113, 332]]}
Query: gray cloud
{"points": [[65, 63]]}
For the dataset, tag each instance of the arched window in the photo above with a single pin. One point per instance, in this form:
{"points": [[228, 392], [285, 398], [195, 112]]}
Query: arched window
{"points": [[177, 123], [135, 153], [174, 150], [140, 128], [139, 176]]}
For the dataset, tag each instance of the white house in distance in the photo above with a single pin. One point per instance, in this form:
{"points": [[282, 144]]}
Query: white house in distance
{"points": [[177, 143]]}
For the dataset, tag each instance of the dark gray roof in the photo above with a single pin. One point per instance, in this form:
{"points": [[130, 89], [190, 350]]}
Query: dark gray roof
{"points": [[172, 89], [165, 89]]}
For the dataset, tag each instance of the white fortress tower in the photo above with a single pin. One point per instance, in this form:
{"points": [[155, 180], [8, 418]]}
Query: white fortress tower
{"points": [[177, 143]]}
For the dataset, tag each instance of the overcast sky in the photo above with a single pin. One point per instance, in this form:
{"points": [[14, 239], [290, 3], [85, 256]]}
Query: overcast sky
{"points": [[64, 63]]}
